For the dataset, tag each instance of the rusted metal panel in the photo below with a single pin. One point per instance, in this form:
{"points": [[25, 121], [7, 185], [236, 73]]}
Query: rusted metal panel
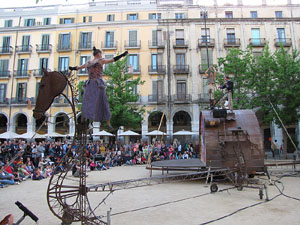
{"points": [[232, 142]]}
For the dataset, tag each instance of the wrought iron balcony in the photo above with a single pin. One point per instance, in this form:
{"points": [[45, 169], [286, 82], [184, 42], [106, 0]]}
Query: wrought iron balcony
{"points": [[39, 72], [180, 43], [133, 69], [85, 46], [202, 42], [285, 42], [4, 74], [181, 69], [21, 73], [4, 101], [64, 47], [157, 69], [106, 45], [132, 44], [19, 100], [43, 48], [232, 42], [6, 50], [203, 68], [24, 49], [203, 97], [156, 44], [181, 98], [157, 99], [257, 42]]}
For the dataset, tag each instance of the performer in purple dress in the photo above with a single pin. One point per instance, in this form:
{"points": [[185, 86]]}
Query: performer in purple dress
{"points": [[95, 104]]}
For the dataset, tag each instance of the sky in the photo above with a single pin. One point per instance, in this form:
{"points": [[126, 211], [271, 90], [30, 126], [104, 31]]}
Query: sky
{"points": [[25, 3]]}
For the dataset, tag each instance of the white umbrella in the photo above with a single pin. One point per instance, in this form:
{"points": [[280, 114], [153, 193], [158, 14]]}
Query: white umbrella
{"points": [[8, 135], [54, 134], [184, 133], [102, 133], [129, 133], [155, 132], [31, 134]]}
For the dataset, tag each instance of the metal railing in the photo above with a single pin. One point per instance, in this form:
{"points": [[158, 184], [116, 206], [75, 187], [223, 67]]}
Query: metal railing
{"points": [[286, 42], [109, 44], [232, 42], [180, 43], [6, 50], [132, 69], [202, 42], [44, 48], [157, 69], [85, 45], [21, 73], [132, 44], [156, 44], [4, 73], [24, 49], [64, 47], [181, 98], [181, 68], [257, 42], [157, 99]]}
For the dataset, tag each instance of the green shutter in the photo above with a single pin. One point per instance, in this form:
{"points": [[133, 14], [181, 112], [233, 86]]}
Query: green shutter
{"points": [[90, 19], [61, 21], [25, 22], [72, 20], [37, 87], [25, 91], [26, 66]]}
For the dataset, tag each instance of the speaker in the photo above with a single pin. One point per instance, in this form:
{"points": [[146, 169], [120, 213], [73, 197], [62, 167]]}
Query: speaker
{"points": [[219, 113]]}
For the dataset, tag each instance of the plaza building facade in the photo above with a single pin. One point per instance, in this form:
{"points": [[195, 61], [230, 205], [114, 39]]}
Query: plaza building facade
{"points": [[170, 45]]}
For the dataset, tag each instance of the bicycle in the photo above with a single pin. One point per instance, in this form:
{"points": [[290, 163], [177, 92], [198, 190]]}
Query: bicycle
{"points": [[9, 219]]}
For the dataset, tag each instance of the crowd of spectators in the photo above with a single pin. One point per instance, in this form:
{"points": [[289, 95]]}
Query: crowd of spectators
{"points": [[38, 160]]}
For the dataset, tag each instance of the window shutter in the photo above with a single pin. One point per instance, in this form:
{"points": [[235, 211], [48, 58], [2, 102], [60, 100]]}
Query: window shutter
{"points": [[180, 34], [154, 88], [26, 66], [61, 21], [154, 37], [89, 38], [113, 17], [17, 91], [37, 87], [137, 16], [25, 91], [150, 16], [112, 38], [25, 22], [80, 40], [72, 20], [33, 22], [128, 16], [90, 19], [19, 65]]}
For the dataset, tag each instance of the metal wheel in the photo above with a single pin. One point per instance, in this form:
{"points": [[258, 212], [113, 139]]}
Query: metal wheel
{"points": [[213, 188]]}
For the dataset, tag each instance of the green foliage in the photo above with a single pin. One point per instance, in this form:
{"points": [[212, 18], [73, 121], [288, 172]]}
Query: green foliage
{"points": [[259, 80], [122, 97]]}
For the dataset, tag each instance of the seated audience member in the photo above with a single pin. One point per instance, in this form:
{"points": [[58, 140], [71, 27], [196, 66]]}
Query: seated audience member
{"points": [[6, 178], [37, 175]]}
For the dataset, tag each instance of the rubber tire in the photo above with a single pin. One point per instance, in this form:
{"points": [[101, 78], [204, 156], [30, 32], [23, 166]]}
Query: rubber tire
{"points": [[213, 188]]}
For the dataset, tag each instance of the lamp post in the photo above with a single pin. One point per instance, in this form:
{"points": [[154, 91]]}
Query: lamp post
{"points": [[203, 14]]}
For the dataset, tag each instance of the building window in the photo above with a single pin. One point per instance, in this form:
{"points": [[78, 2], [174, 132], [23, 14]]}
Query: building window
{"points": [[205, 35], [64, 41], [157, 90], [25, 43], [22, 67], [179, 15], [204, 60], [4, 68], [133, 63], [106, 66], [43, 64], [83, 60], [21, 91], [86, 19], [45, 42], [111, 17], [109, 39], [230, 33], [132, 88], [5, 44], [255, 36], [157, 39], [47, 21], [229, 14], [8, 23], [133, 38], [154, 16], [278, 14], [63, 64], [2, 93], [253, 14], [181, 89], [66, 20], [133, 16], [29, 22], [180, 61], [85, 40], [281, 35], [179, 37]]}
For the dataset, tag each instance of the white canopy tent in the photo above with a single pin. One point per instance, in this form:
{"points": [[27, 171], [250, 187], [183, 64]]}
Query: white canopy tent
{"points": [[102, 133], [31, 134], [184, 133], [8, 135], [54, 134], [155, 132], [129, 133]]}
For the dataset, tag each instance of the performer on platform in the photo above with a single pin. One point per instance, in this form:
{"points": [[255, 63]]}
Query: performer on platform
{"points": [[229, 93], [95, 104]]}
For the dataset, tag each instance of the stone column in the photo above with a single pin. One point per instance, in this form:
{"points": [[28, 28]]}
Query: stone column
{"points": [[170, 131], [144, 130]]}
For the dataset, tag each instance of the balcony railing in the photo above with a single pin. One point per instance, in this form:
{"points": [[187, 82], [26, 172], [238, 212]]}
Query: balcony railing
{"points": [[133, 69], [285, 42], [82, 72], [109, 45], [21, 73], [60, 100], [19, 100], [202, 42], [6, 50], [180, 98], [132, 44], [156, 44], [39, 72], [181, 69], [157, 99], [64, 47], [257, 42], [24, 49], [158, 69], [232, 42], [85, 46], [203, 97], [180, 43], [4, 101], [43, 48], [4, 74]]}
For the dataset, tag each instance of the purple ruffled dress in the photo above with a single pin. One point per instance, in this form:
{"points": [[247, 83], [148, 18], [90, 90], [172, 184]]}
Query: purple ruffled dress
{"points": [[95, 104]]}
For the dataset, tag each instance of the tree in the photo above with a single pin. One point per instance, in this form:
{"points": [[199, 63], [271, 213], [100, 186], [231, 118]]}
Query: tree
{"points": [[236, 65]]}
